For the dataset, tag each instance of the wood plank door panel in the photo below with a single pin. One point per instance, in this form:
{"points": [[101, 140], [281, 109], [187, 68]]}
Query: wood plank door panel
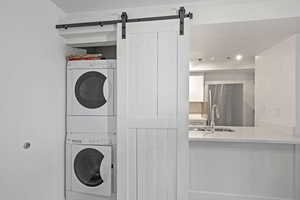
{"points": [[142, 74], [156, 164], [153, 164], [152, 112]]}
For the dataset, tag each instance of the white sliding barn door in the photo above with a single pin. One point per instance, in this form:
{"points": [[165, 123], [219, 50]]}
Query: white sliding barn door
{"points": [[153, 111]]}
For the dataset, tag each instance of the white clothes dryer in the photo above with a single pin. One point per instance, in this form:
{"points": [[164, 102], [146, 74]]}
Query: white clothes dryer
{"points": [[90, 87], [88, 168]]}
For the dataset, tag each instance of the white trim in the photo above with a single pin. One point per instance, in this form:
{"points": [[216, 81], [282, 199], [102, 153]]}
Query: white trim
{"points": [[122, 181], [202, 195], [183, 114], [297, 172]]}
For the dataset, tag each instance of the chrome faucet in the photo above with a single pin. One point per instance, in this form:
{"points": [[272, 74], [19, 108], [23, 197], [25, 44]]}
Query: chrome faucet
{"points": [[214, 112]]}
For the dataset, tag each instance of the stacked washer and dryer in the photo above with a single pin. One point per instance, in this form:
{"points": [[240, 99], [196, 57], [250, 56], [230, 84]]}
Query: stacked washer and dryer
{"points": [[91, 130]]}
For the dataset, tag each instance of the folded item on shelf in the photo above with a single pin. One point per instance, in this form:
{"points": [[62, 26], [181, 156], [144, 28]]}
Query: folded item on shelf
{"points": [[86, 57]]}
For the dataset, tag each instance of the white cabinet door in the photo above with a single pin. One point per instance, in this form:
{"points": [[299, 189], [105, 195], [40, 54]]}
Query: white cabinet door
{"points": [[196, 88], [152, 111]]}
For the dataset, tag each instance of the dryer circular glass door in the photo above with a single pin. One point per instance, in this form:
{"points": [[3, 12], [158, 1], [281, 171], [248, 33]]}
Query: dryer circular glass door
{"points": [[89, 89], [87, 165]]}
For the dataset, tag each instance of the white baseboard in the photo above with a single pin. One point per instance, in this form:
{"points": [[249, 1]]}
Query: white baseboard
{"points": [[201, 195]]}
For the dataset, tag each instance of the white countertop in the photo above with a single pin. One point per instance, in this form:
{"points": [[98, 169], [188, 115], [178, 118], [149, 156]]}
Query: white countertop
{"points": [[248, 134]]}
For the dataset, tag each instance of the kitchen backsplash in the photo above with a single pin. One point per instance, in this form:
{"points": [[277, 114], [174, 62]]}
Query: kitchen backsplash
{"points": [[198, 108]]}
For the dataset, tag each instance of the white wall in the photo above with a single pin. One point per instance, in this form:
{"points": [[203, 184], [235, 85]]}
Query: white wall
{"points": [[32, 103], [275, 85]]}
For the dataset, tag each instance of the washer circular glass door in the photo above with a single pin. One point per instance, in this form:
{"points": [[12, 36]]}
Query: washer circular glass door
{"points": [[87, 167], [89, 89]]}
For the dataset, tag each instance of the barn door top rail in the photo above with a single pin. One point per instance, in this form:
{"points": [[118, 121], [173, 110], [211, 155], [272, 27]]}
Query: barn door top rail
{"points": [[124, 19]]}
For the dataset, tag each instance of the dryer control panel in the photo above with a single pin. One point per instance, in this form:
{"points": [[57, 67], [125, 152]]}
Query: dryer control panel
{"points": [[99, 139], [91, 64]]}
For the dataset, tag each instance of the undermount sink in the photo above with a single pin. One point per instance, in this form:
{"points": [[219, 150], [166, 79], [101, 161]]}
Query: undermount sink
{"points": [[209, 129], [224, 129]]}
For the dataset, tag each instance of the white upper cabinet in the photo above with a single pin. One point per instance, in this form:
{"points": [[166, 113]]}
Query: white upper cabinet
{"points": [[196, 88], [91, 36]]}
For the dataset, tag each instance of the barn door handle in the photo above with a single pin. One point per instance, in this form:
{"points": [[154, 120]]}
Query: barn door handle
{"points": [[26, 145]]}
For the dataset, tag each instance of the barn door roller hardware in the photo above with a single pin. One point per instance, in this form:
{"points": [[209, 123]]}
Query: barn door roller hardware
{"points": [[181, 14], [124, 19]]}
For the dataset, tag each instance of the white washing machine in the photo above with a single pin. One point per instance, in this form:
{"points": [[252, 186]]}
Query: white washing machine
{"points": [[88, 167], [90, 88]]}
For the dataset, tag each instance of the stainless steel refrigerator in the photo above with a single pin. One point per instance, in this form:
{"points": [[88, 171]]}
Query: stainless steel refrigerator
{"points": [[228, 100]]}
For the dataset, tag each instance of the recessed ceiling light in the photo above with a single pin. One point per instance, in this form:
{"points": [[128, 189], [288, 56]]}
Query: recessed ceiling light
{"points": [[239, 57]]}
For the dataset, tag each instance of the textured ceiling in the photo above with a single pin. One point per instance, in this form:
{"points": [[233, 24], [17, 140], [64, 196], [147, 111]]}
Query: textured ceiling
{"points": [[92, 5], [247, 38]]}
